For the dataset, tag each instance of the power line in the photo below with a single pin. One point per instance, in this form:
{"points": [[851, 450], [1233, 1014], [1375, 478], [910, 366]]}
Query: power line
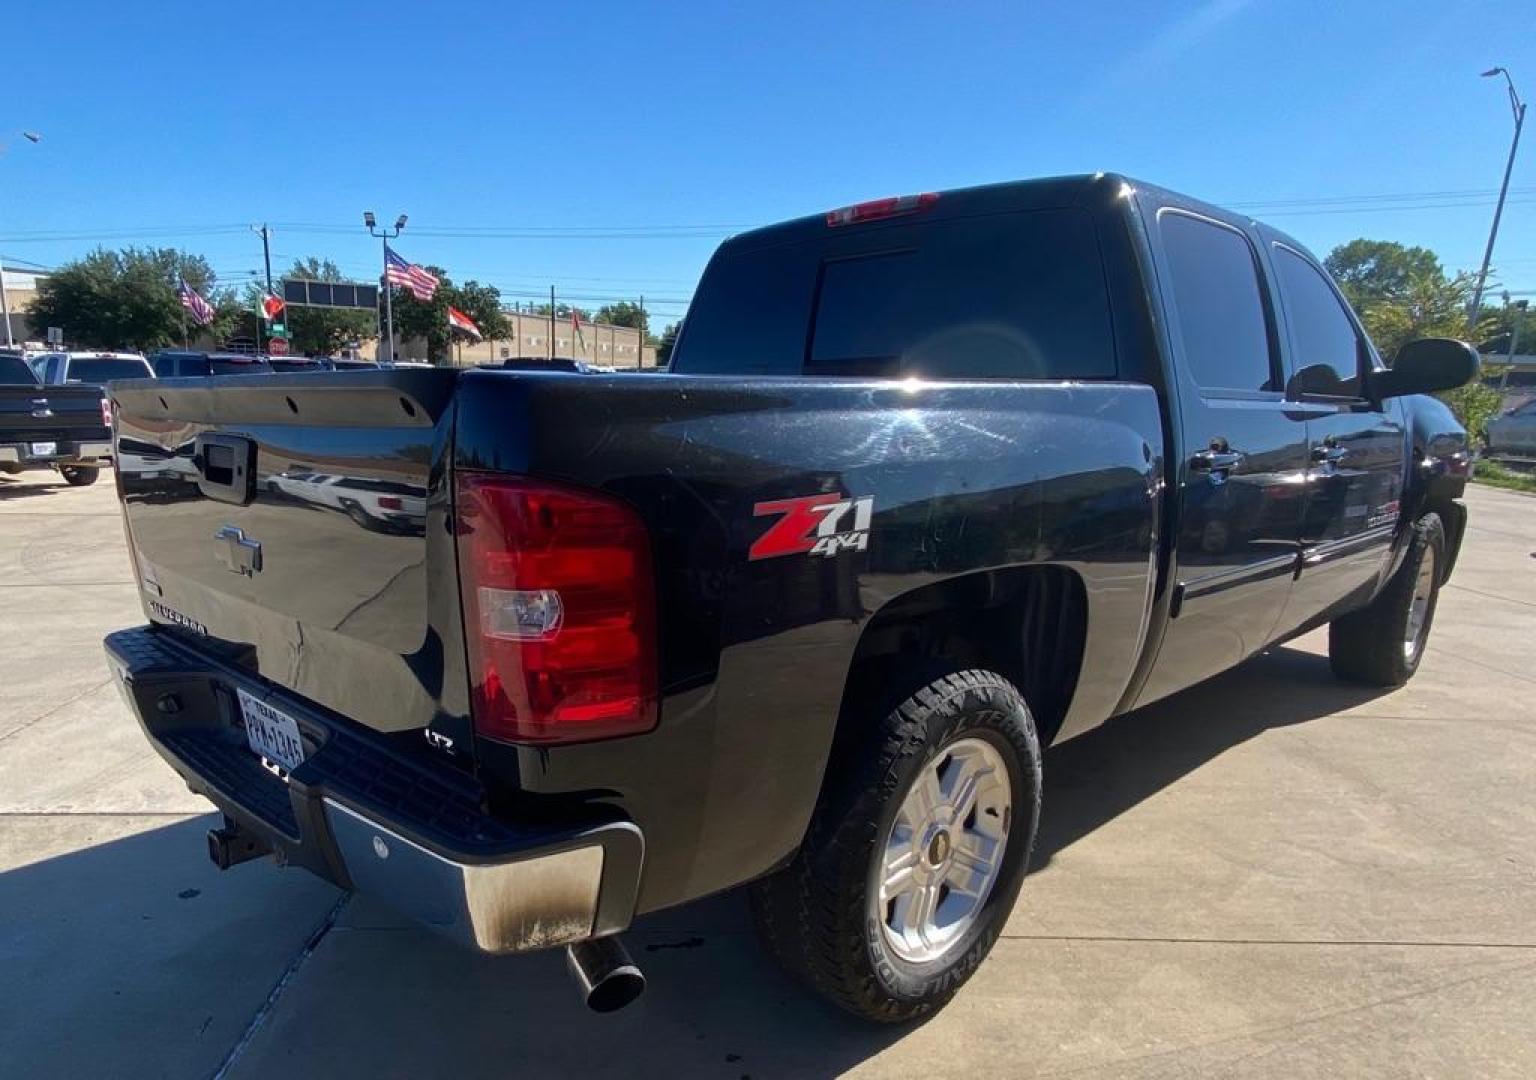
{"points": [[1380, 197]]}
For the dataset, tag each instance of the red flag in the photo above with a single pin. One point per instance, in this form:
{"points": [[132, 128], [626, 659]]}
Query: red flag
{"points": [[457, 320], [576, 326]]}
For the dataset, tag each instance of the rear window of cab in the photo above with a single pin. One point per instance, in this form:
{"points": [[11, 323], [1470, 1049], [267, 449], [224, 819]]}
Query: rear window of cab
{"points": [[1001, 296]]}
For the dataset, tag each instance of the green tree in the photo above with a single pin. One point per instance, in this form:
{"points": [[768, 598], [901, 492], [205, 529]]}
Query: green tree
{"points": [[318, 331], [1501, 323], [1402, 293], [1370, 270], [429, 318], [667, 341], [622, 314], [127, 298], [562, 311]]}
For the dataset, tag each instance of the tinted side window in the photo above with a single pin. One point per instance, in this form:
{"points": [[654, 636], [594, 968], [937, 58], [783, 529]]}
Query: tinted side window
{"points": [[14, 372], [1321, 330], [1217, 304], [165, 366], [750, 314]]}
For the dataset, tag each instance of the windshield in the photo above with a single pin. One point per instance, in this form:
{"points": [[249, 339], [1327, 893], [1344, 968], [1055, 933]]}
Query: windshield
{"points": [[14, 372], [100, 369]]}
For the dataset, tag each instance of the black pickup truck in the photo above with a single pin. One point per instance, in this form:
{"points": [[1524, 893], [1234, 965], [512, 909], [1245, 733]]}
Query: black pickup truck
{"points": [[51, 427], [933, 482]]}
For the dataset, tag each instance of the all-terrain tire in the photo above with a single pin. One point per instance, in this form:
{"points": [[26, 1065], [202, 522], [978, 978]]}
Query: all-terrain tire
{"points": [[816, 916], [1379, 645]]}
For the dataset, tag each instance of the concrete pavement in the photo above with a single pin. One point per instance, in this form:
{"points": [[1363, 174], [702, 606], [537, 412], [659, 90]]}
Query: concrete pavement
{"points": [[1270, 875]]}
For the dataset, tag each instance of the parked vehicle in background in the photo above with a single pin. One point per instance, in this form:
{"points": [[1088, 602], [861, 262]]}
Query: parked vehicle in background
{"points": [[382, 504], [301, 363], [932, 482], [181, 364], [540, 363], [91, 368], [67, 428], [342, 364], [1514, 433]]}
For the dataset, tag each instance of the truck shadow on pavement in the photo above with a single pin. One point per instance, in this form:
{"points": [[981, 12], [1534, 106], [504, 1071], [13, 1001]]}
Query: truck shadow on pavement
{"points": [[12, 487], [1096, 777], [136, 950]]}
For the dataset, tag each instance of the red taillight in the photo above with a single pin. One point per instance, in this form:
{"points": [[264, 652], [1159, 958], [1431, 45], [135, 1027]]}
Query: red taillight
{"points": [[559, 611], [391, 502], [876, 209]]}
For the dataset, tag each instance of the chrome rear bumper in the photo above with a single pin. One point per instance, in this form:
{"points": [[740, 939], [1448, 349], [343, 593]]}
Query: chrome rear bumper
{"points": [[373, 821]]}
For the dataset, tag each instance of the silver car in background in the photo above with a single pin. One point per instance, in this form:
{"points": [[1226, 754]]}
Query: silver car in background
{"points": [[1514, 433]]}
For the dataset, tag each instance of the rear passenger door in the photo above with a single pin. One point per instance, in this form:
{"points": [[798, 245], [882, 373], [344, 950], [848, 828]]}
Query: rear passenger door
{"points": [[1358, 450], [1242, 475]]}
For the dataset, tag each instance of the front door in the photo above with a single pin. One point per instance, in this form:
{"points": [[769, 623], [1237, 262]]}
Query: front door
{"points": [[1357, 450], [1242, 478]]}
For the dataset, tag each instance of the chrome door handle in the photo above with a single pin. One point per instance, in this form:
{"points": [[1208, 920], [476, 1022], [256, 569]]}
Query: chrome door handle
{"points": [[1215, 461]]}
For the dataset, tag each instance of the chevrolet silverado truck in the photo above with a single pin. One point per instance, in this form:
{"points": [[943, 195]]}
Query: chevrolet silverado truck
{"points": [[51, 427], [932, 482]]}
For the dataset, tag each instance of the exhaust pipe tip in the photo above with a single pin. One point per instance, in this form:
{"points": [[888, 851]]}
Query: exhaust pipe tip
{"points": [[606, 975]]}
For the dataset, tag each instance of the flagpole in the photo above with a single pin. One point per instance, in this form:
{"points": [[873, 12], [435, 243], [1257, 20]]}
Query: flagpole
{"points": [[389, 303]]}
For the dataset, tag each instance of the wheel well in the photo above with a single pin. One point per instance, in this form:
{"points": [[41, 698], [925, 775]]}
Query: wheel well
{"points": [[1026, 623]]}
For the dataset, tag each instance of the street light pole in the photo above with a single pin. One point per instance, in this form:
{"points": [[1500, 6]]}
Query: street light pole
{"points": [[385, 236], [1517, 107], [5, 304]]}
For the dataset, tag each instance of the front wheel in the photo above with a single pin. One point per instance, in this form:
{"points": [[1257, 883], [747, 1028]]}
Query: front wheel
{"points": [[79, 475], [1382, 644], [915, 854]]}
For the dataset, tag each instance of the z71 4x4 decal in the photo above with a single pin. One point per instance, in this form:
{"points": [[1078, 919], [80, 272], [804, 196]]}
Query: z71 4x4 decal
{"points": [[819, 524]]}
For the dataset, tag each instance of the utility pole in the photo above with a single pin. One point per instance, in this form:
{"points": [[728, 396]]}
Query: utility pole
{"points": [[551, 322], [5, 305], [645, 325], [389, 304], [266, 256], [1517, 107]]}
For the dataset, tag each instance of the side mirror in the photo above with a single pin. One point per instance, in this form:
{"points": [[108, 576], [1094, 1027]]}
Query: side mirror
{"points": [[1427, 365]]}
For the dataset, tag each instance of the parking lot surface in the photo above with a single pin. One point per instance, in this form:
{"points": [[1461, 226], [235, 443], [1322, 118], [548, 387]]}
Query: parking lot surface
{"points": [[1274, 874]]}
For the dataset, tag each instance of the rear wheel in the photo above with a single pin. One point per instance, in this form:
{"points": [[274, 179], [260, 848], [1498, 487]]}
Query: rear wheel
{"points": [[79, 475], [915, 854], [1382, 644]]}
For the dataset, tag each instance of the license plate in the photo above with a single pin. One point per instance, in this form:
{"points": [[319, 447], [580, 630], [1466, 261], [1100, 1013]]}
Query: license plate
{"points": [[270, 732], [44, 449]]}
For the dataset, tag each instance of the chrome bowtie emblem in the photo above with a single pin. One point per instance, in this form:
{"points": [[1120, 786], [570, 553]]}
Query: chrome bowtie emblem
{"points": [[238, 552]]}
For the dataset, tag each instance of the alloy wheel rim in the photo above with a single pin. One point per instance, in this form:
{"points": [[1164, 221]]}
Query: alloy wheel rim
{"points": [[1418, 607], [943, 853]]}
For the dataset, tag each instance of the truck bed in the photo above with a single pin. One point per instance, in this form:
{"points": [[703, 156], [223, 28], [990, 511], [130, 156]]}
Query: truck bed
{"points": [[362, 617]]}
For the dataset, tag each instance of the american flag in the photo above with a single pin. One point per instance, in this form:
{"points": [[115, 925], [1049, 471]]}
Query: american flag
{"points": [[408, 275], [202, 310]]}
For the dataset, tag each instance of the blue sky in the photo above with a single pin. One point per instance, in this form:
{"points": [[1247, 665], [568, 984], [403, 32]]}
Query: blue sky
{"points": [[606, 148]]}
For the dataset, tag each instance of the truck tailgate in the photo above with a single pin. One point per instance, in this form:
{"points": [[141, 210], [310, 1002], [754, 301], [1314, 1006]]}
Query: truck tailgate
{"points": [[51, 413], [300, 524]]}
